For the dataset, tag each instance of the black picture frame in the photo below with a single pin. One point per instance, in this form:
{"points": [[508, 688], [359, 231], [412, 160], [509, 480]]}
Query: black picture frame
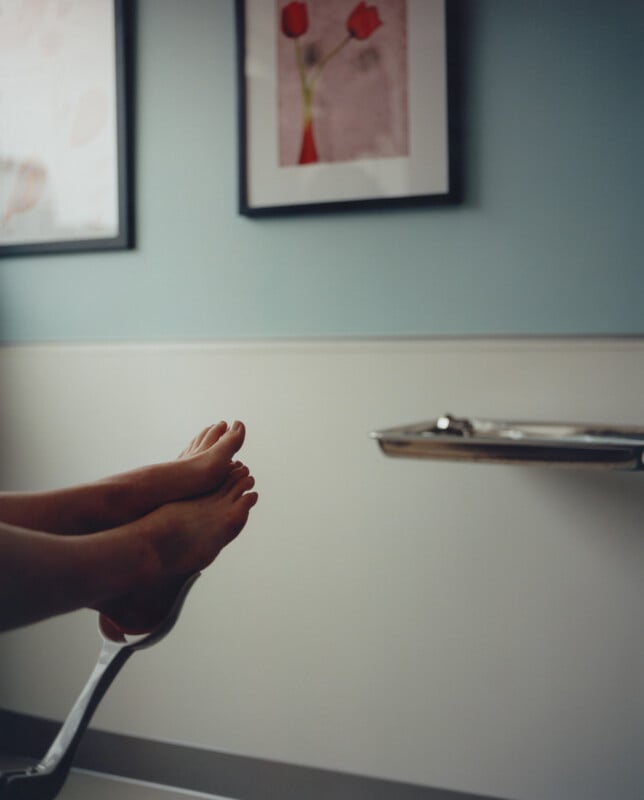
{"points": [[257, 28], [52, 238]]}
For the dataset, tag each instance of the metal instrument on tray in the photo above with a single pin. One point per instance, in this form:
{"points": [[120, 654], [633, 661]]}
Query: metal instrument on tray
{"points": [[485, 440]]}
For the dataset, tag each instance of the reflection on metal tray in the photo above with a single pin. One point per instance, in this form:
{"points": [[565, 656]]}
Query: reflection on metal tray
{"points": [[488, 440]]}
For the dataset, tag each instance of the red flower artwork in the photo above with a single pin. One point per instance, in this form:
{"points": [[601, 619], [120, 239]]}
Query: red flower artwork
{"points": [[363, 21], [360, 24], [295, 19]]}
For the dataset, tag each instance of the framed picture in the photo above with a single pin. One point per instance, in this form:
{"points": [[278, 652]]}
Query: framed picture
{"points": [[65, 137], [343, 105]]}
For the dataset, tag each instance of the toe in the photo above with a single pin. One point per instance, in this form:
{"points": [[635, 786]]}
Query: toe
{"points": [[213, 434], [243, 485], [232, 440], [197, 443]]}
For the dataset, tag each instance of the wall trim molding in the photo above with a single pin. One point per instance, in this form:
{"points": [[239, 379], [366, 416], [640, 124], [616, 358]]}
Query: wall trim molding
{"points": [[205, 771], [349, 344]]}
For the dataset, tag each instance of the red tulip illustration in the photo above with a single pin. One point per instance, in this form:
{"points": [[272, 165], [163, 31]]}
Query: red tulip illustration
{"points": [[361, 23], [295, 20]]}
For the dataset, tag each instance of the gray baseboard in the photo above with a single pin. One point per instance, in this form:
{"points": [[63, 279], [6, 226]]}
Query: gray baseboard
{"points": [[207, 771]]}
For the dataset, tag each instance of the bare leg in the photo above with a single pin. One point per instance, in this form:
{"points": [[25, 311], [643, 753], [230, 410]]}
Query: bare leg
{"points": [[186, 536]]}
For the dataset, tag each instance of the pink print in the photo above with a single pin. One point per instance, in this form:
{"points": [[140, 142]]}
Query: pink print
{"points": [[342, 80]]}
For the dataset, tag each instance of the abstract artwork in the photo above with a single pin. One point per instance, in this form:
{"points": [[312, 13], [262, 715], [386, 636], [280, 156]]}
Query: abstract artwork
{"points": [[63, 135]]}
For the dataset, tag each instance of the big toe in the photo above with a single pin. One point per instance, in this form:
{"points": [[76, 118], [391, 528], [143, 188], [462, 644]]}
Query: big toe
{"points": [[234, 437]]}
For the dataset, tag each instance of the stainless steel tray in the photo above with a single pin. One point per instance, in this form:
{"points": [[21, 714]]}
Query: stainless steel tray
{"points": [[554, 443]]}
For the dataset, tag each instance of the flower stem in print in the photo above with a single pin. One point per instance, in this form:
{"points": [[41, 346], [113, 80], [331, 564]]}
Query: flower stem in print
{"points": [[362, 21]]}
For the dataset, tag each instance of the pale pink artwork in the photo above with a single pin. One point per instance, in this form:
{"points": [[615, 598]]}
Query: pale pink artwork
{"points": [[58, 154], [342, 80]]}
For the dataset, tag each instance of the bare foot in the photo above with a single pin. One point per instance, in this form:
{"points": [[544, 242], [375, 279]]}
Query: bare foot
{"points": [[190, 534], [202, 466], [187, 536], [200, 469]]}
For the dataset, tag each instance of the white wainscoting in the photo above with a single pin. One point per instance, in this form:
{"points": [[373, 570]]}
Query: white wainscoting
{"points": [[474, 627]]}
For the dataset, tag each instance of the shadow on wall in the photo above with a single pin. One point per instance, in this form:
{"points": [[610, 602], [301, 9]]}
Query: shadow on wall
{"points": [[596, 495]]}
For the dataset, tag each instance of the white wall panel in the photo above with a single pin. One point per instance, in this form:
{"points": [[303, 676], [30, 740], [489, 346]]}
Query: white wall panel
{"points": [[475, 627]]}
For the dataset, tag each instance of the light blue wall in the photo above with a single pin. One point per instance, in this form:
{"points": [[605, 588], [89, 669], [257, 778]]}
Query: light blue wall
{"points": [[549, 239]]}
